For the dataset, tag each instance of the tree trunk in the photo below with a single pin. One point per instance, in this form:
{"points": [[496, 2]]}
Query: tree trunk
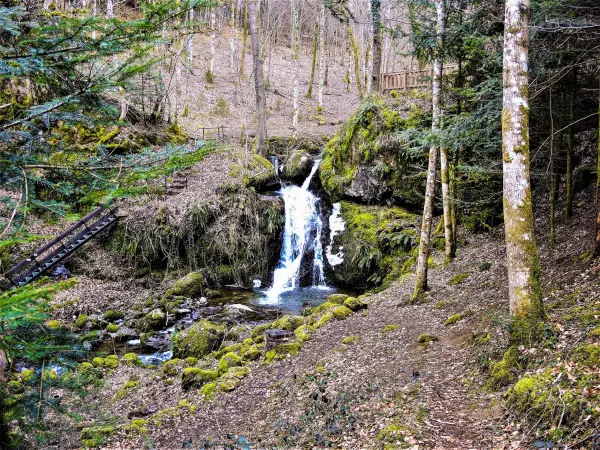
{"points": [[376, 57], [259, 84], [190, 46], [233, 40], [314, 61], [244, 38], [569, 177], [213, 37], [596, 249], [123, 103], [524, 288], [354, 48], [295, 56], [424, 244], [109, 9], [322, 57], [448, 232], [554, 176]]}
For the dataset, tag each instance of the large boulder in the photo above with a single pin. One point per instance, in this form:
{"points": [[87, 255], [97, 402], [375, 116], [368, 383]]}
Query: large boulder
{"points": [[189, 286], [198, 340]]}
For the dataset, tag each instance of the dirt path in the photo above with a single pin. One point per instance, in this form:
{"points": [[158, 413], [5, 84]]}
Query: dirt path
{"points": [[344, 395]]}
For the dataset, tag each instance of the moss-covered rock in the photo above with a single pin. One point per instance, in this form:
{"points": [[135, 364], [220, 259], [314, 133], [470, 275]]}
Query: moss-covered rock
{"points": [[288, 322], [193, 377], [208, 390], [81, 321], [453, 319], [505, 370], [259, 330], [113, 328], [172, 367], [282, 351], [189, 286], [233, 348], [304, 332], [297, 165], [132, 360], [389, 328], [341, 312], [354, 304], [198, 340], [227, 361], [112, 315], [426, 339], [338, 299], [323, 320], [110, 362], [351, 340], [250, 353]]}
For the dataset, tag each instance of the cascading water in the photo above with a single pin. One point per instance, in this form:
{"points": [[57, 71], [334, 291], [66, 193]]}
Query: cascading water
{"points": [[302, 232]]}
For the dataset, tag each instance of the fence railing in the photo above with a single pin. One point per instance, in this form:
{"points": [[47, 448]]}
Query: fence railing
{"points": [[411, 79]]}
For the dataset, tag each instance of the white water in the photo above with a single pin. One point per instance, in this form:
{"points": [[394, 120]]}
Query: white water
{"points": [[302, 232], [336, 226]]}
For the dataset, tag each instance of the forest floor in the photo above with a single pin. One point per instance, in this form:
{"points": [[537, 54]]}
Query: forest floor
{"points": [[365, 382], [229, 99]]}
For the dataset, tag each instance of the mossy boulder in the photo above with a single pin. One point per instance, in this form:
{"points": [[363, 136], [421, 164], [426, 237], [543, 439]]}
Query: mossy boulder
{"points": [[338, 299], [110, 362], [113, 316], [227, 361], [172, 367], [132, 360], [259, 330], [198, 340], [189, 286], [154, 320], [304, 332], [323, 320], [297, 166], [288, 322], [250, 353], [354, 304], [81, 321], [323, 307], [282, 351], [341, 312], [425, 339], [505, 370], [208, 390], [193, 377], [112, 328]]}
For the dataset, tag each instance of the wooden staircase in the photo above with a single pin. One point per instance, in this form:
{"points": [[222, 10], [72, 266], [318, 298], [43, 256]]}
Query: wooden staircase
{"points": [[60, 247]]}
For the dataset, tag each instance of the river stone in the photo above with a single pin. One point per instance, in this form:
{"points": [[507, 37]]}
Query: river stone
{"points": [[199, 340]]}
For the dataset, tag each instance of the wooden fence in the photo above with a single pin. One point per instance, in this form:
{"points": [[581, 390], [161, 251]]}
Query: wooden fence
{"points": [[411, 79]]}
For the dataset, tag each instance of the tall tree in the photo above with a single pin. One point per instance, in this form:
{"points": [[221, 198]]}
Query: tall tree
{"points": [[259, 83], [313, 62], [425, 242], [570, 138], [596, 248], [524, 289], [233, 39], [322, 56], [295, 56], [376, 58]]}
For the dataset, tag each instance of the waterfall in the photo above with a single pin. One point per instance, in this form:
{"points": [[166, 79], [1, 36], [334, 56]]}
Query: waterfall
{"points": [[302, 232]]}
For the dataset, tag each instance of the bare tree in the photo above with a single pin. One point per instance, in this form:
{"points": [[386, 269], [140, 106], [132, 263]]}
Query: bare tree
{"points": [[295, 56], [322, 56], [521, 254], [259, 84], [425, 243], [376, 57]]}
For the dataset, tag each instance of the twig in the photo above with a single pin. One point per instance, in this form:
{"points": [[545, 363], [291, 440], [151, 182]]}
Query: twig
{"points": [[41, 391]]}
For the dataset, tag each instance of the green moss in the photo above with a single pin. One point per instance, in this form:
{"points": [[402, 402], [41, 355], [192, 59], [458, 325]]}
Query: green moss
{"points": [[227, 361], [282, 351], [198, 340], [93, 437], [323, 320], [193, 377], [112, 315], [172, 367], [288, 322], [127, 388], [250, 353], [137, 427], [112, 328], [341, 312], [208, 390], [338, 299], [350, 340], [426, 339], [132, 360], [354, 304], [323, 307], [504, 371], [229, 384], [81, 321], [86, 368], [189, 286], [234, 348], [454, 318], [110, 362], [260, 330], [191, 361], [54, 324], [304, 332], [459, 278], [588, 354], [440, 304], [389, 328]]}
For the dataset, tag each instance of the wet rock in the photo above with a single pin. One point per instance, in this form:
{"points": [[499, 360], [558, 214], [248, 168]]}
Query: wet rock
{"points": [[199, 340], [142, 411], [241, 312], [189, 286], [354, 304]]}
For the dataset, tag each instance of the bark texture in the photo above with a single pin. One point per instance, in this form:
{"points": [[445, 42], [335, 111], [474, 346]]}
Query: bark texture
{"points": [[569, 177], [425, 242], [354, 48], [313, 62], [596, 248], [376, 58], [521, 252], [322, 56], [295, 56], [259, 84]]}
